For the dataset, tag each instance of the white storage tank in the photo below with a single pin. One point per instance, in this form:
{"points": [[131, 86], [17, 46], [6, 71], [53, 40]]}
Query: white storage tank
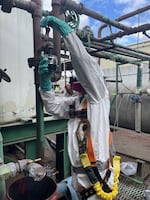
{"points": [[17, 98]]}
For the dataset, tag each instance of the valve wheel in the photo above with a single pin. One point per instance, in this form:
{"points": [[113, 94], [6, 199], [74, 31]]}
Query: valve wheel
{"points": [[72, 19]]}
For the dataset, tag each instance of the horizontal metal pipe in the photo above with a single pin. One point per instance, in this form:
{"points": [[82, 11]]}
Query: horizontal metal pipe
{"points": [[81, 9], [115, 50], [129, 32], [145, 54], [129, 53], [29, 6], [128, 15], [25, 5], [129, 49], [113, 58]]}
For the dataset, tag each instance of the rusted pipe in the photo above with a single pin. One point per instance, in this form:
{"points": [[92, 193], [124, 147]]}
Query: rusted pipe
{"points": [[29, 6], [111, 49], [129, 49], [114, 58], [114, 48], [81, 9], [120, 34], [122, 18], [56, 7], [37, 15], [24, 5], [128, 15]]}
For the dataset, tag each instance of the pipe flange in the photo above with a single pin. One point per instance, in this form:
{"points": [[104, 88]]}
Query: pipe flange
{"points": [[56, 2], [7, 6]]}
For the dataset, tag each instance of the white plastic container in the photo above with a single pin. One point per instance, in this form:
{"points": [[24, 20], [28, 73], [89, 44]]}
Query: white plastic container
{"points": [[17, 98]]}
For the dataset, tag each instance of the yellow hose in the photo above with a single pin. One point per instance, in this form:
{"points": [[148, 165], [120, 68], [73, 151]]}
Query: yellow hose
{"points": [[112, 195]]}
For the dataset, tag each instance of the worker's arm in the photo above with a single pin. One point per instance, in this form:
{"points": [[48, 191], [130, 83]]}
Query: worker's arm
{"points": [[55, 105], [87, 69]]}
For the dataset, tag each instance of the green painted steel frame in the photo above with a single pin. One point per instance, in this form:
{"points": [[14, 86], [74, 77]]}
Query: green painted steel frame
{"points": [[26, 132], [22, 132]]}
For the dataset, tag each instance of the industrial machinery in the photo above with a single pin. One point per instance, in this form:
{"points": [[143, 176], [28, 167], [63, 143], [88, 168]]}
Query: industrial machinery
{"points": [[22, 120]]}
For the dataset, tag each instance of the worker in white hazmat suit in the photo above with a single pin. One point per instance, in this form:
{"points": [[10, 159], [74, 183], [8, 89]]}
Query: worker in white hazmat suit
{"points": [[91, 78]]}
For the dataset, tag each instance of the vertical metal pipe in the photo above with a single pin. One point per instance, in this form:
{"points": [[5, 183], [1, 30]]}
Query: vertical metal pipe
{"points": [[139, 77], [56, 7], [37, 15], [138, 105], [117, 90], [2, 181], [117, 79], [138, 109]]}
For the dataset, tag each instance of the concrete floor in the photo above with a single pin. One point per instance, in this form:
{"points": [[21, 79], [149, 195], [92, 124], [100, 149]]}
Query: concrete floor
{"points": [[133, 144], [134, 147]]}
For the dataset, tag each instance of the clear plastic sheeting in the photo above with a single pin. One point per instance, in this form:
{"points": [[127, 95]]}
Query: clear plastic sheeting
{"points": [[128, 168]]}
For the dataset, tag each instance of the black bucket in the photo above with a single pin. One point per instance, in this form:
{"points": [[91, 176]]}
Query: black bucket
{"points": [[28, 189]]}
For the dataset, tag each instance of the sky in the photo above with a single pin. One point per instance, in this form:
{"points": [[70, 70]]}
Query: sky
{"points": [[113, 9]]}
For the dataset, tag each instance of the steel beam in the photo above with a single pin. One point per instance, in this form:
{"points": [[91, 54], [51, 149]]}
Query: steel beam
{"points": [[23, 132]]}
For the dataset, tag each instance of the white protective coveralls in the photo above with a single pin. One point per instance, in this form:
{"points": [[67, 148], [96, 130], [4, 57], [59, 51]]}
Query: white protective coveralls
{"points": [[91, 78]]}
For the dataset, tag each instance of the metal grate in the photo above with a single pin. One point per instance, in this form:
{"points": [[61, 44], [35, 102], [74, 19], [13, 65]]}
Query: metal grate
{"points": [[130, 190]]}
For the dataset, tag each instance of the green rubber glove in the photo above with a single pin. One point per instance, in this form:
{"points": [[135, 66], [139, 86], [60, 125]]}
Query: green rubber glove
{"points": [[44, 74], [61, 26]]}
